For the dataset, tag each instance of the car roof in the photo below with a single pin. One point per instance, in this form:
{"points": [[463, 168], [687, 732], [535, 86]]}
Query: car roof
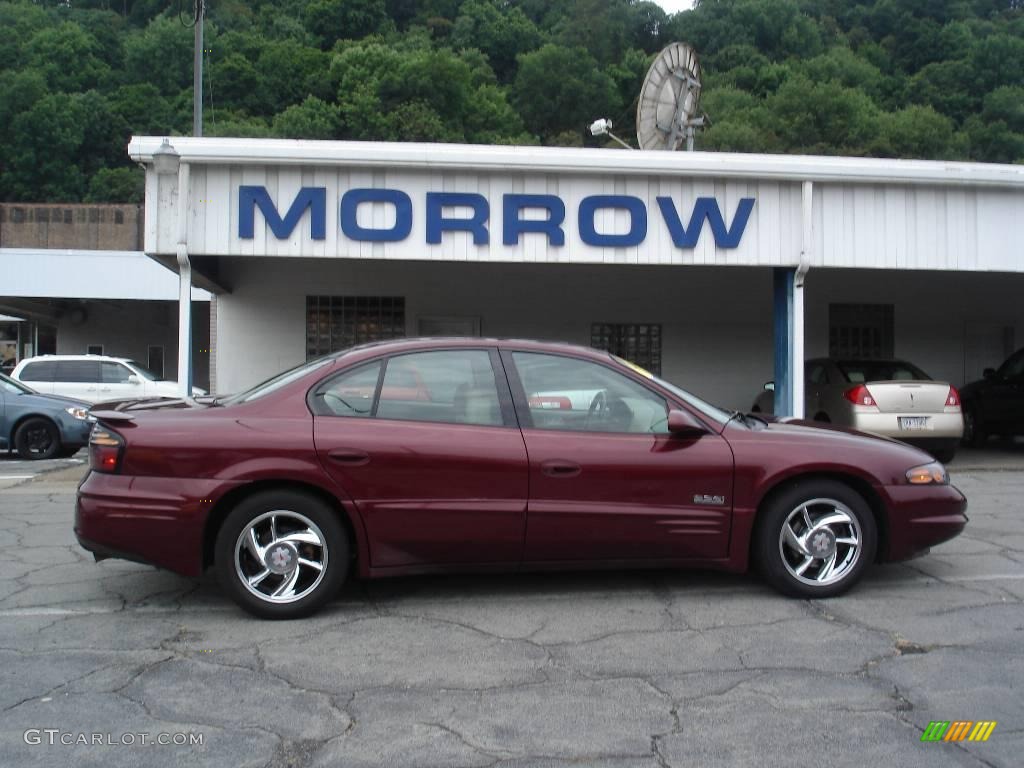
{"points": [[395, 346], [57, 358]]}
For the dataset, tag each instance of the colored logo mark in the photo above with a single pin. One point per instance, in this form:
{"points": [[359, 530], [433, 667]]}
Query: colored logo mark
{"points": [[958, 730]]}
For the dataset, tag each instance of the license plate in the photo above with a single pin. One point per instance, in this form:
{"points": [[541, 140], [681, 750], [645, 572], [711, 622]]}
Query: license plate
{"points": [[913, 422]]}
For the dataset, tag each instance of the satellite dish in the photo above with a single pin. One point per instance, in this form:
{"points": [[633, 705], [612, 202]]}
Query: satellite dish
{"points": [[666, 114]]}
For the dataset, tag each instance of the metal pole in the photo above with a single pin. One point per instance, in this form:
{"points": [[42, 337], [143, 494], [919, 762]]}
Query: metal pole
{"points": [[184, 287], [197, 72]]}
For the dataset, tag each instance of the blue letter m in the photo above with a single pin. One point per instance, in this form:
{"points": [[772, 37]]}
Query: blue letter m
{"points": [[706, 208], [313, 198]]}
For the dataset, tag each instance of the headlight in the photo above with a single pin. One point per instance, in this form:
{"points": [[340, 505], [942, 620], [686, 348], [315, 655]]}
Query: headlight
{"points": [[78, 413], [928, 474]]}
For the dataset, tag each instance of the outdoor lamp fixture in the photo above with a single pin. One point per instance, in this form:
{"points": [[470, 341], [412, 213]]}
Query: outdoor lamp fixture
{"points": [[166, 159], [603, 127]]}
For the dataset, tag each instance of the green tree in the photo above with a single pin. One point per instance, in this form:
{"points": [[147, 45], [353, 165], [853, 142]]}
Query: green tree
{"points": [[160, 55], [117, 185], [68, 57], [558, 89], [312, 119], [332, 20], [499, 30]]}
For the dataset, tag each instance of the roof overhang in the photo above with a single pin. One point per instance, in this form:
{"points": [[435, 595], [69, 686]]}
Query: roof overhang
{"points": [[512, 159]]}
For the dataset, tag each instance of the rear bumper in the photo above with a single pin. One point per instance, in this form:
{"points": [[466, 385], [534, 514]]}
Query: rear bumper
{"points": [[146, 519], [940, 425], [921, 517]]}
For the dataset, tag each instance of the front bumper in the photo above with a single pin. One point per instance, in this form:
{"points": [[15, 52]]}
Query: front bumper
{"points": [[153, 520], [74, 433], [921, 517]]}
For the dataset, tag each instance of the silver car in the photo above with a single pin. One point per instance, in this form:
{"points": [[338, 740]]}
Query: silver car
{"points": [[887, 397]]}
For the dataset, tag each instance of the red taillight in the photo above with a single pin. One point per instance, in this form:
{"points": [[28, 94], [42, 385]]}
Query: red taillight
{"points": [[859, 395], [953, 398], [105, 447]]}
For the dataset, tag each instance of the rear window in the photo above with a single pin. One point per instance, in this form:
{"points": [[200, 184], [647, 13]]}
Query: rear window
{"points": [[77, 371], [864, 371], [37, 372]]}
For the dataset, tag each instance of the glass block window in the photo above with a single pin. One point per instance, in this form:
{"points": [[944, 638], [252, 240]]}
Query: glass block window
{"points": [[334, 323], [861, 331], [639, 343]]}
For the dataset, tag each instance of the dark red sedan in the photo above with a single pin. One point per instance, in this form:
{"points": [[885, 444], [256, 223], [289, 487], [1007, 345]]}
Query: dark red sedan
{"points": [[472, 454]]}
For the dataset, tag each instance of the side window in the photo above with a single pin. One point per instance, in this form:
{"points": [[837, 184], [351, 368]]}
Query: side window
{"points": [[568, 394], [115, 373], [453, 387], [350, 394], [77, 371], [817, 374], [37, 372]]}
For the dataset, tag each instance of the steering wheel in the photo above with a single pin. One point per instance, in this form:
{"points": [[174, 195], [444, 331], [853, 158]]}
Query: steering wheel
{"points": [[598, 407]]}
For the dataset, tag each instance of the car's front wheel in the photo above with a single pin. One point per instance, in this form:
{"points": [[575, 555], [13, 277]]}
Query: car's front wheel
{"points": [[282, 554], [37, 438], [815, 539]]}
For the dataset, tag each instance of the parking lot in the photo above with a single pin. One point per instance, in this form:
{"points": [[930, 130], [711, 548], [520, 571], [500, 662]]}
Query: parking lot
{"points": [[597, 669]]}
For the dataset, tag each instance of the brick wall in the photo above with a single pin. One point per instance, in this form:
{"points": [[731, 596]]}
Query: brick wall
{"points": [[86, 227]]}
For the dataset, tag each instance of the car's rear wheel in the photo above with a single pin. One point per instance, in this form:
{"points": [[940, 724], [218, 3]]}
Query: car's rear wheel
{"points": [[945, 455], [815, 539], [37, 438], [282, 554]]}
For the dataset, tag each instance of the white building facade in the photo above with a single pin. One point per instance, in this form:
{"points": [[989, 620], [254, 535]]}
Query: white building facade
{"points": [[718, 270]]}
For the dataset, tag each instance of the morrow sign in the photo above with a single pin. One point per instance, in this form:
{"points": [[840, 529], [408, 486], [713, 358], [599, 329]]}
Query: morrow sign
{"points": [[470, 212]]}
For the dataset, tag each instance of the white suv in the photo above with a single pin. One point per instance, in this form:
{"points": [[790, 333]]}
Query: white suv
{"points": [[94, 378]]}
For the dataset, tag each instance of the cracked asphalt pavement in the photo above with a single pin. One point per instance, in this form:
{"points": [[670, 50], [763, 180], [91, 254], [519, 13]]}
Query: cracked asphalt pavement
{"points": [[609, 669]]}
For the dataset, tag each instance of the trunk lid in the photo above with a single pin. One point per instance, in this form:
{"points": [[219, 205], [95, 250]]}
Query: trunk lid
{"points": [[909, 396]]}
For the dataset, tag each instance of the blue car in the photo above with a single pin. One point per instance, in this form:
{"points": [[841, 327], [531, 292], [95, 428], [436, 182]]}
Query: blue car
{"points": [[41, 426]]}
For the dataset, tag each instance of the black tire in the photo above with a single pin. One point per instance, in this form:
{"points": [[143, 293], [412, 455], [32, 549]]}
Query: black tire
{"points": [[313, 589], [945, 455], [778, 563], [37, 438], [823, 418], [974, 432]]}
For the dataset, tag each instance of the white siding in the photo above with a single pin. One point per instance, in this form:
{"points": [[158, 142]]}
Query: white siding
{"points": [[868, 213]]}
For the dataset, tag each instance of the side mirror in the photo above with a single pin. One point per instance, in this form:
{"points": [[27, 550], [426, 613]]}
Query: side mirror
{"points": [[133, 379], [989, 373], [769, 386], [683, 424]]}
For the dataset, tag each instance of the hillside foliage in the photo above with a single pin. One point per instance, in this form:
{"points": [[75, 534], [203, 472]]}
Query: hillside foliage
{"points": [[940, 79]]}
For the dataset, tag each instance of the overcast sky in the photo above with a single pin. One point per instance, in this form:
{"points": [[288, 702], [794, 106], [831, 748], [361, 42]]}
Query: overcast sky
{"points": [[672, 6]]}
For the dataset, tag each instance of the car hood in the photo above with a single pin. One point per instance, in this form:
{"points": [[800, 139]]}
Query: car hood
{"points": [[798, 441], [49, 401]]}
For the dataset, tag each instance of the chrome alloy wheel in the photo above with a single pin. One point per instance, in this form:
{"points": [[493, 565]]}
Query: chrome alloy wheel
{"points": [[820, 542], [281, 556]]}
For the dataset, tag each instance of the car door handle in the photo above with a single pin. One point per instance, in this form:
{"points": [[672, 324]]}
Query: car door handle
{"points": [[560, 468], [350, 456]]}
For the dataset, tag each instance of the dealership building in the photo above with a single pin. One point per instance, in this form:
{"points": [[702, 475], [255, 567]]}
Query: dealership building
{"points": [[718, 271]]}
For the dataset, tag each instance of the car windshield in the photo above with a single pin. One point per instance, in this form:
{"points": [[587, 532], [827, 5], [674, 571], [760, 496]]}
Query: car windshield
{"points": [[13, 387], [281, 380], [143, 371], [706, 408], [862, 371]]}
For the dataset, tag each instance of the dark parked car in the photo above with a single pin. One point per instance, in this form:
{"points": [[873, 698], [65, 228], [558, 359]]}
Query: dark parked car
{"points": [[495, 460], [995, 405], [40, 426]]}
